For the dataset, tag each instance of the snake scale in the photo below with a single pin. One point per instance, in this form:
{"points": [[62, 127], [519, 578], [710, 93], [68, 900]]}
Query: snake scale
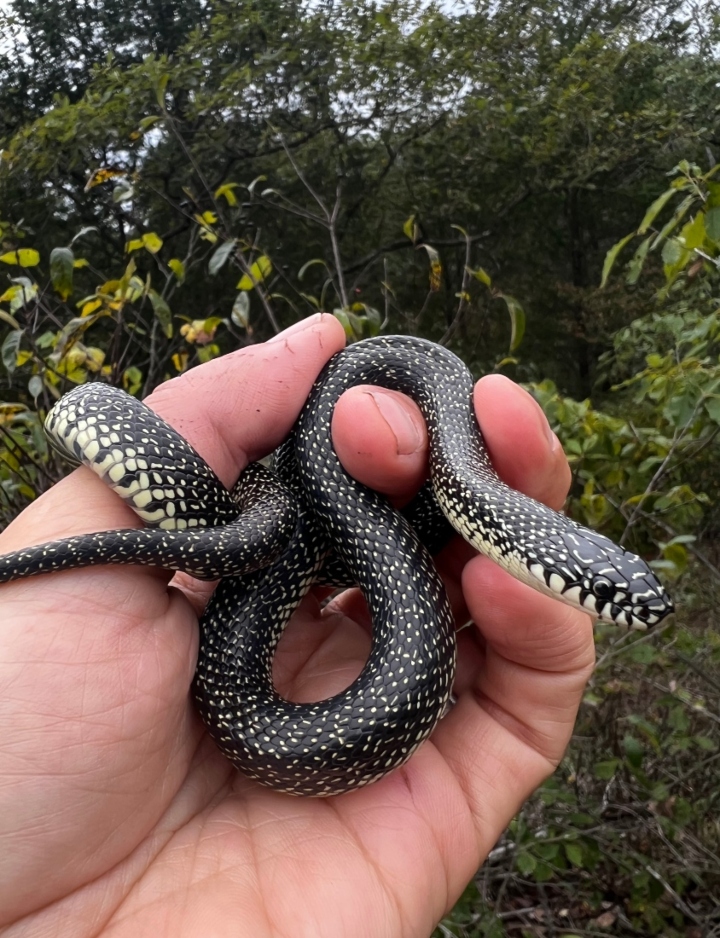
{"points": [[278, 533]]}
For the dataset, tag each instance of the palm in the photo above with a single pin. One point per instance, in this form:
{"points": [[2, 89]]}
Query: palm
{"points": [[119, 810]]}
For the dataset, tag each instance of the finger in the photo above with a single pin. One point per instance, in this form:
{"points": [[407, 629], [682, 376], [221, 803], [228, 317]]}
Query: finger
{"points": [[524, 450], [381, 439], [232, 410]]}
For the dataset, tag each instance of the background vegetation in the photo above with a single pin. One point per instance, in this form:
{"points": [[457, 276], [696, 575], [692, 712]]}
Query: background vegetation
{"points": [[532, 183]]}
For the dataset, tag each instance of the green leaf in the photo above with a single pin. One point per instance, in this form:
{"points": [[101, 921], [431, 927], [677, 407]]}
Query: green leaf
{"points": [[636, 264], [240, 314], [162, 312], [643, 653], [543, 873], [10, 320], [655, 209], [634, 750], [712, 406], [259, 271], [692, 234], [712, 224], [547, 851], [308, 264], [159, 86], [680, 213], [344, 319], [35, 386], [62, 262], [525, 863], [605, 770], [483, 276], [83, 231], [123, 192], [148, 122], [9, 350], [220, 256], [132, 379], [574, 853], [25, 257], [255, 181], [672, 252], [517, 320], [611, 257]]}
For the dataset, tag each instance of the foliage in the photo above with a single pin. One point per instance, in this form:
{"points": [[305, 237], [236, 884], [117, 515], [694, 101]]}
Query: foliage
{"points": [[624, 836], [623, 839], [388, 111]]}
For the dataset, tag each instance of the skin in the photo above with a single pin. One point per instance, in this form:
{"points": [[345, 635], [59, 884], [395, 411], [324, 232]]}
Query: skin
{"points": [[118, 816]]}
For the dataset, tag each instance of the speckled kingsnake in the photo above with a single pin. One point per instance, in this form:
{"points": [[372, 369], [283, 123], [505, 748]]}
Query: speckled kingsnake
{"points": [[321, 519]]}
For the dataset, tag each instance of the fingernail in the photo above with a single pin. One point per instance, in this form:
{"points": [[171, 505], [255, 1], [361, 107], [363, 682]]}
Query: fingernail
{"points": [[550, 434], [554, 441], [402, 424], [297, 327]]}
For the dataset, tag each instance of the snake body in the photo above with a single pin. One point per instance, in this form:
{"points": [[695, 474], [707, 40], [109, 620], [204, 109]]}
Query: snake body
{"points": [[276, 536]]}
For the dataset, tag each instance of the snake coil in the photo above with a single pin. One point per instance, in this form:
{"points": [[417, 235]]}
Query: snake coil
{"points": [[274, 536]]}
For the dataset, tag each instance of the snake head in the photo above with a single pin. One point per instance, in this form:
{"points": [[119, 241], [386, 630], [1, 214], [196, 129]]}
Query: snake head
{"points": [[608, 581]]}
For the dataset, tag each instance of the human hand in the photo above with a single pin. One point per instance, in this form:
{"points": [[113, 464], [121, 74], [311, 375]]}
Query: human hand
{"points": [[117, 814]]}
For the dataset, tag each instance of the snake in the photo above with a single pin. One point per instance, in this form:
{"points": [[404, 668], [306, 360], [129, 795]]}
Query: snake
{"points": [[280, 531]]}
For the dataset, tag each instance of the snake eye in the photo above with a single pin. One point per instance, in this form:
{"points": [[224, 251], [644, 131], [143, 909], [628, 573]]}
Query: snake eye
{"points": [[603, 588]]}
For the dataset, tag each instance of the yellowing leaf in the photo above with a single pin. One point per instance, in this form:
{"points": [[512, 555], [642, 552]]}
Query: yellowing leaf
{"points": [[135, 245], [80, 262], [207, 218], [435, 268], [410, 229], [95, 358], [102, 175], [24, 291], [152, 242], [180, 360], [90, 307], [259, 271], [226, 191], [178, 268], [10, 294], [25, 257]]}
